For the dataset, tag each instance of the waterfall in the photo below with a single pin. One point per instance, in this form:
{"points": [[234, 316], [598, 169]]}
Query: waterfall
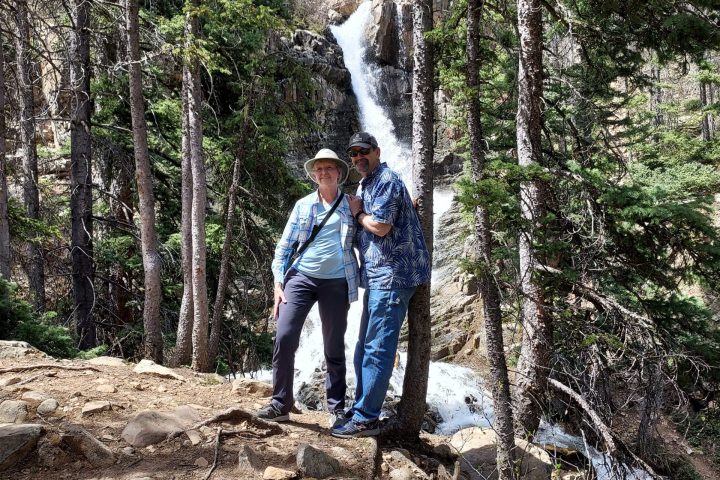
{"points": [[455, 393]]}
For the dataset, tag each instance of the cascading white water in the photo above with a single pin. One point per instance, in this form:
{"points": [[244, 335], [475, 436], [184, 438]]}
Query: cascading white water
{"points": [[455, 392], [373, 117]]}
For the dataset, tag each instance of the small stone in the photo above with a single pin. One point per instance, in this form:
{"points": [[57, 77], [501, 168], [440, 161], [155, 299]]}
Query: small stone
{"points": [[128, 451], [137, 386], [107, 438], [274, 473], [404, 473], [247, 386], [161, 389], [150, 448], [48, 406], [201, 462], [34, 398], [106, 388], [13, 411], [95, 407], [248, 459], [151, 368], [313, 462], [51, 373], [385, 467], [5, 382], [107, 361], [194, 436]]}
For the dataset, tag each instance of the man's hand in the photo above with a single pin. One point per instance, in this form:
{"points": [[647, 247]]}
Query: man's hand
{"points": [[279, 297], [355, 204]]}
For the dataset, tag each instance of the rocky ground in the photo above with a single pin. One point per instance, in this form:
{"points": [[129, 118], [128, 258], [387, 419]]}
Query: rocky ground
{"points": [[108, 419]]}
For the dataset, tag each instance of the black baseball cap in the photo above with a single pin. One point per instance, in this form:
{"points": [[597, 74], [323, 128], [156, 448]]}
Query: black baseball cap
{"points": [[362, 139]]}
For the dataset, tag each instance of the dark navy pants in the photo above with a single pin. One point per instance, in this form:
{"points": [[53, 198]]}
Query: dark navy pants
{"points": [[301, 293]]}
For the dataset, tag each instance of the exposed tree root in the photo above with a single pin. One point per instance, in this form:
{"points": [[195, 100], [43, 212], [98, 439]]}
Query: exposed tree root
{"points": [[36, 367], [217, 449], [235, 416]]}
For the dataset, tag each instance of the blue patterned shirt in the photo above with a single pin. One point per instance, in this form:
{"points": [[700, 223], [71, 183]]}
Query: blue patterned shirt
{"points": [[399, 259], [298, 229]]}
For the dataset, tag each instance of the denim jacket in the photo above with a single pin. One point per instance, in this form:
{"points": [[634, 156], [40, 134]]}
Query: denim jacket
{"points": [[298, 229]]}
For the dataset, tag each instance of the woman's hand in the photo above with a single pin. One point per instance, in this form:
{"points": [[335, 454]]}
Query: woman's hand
{"points": [[279, 297]]}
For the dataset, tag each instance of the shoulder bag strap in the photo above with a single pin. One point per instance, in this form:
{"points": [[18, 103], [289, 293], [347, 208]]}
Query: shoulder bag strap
{"points": [[316, 229]]}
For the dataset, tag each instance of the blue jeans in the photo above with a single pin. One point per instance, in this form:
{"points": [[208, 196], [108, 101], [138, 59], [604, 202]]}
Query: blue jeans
{"points": [[383, 315]]}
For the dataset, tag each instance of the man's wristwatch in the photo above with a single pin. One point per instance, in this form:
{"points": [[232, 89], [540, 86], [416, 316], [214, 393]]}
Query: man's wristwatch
{"points": [[357, 215]]}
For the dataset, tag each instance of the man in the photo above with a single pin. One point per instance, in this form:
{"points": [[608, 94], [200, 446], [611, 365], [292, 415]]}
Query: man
{"points": [[393, 262]]}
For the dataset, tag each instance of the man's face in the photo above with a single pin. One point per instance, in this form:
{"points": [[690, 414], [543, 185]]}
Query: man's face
{"points": [[365, 160]]}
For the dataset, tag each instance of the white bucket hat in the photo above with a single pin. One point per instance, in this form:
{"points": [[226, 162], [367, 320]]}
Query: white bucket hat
{"points": [[327, 154]]}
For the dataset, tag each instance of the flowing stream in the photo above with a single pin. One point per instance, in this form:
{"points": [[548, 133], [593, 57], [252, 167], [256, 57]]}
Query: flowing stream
{"points": [[455, 393]]}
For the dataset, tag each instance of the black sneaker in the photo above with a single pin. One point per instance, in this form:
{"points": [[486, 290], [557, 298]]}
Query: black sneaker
{"points": [[270, 412], [339, 417], [353, 429]]}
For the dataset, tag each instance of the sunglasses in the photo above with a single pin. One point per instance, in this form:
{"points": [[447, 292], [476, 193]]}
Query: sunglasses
{"points": [[362, 151]]}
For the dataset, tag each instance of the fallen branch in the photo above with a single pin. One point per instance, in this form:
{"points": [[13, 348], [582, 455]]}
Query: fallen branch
{"points": [[597, 421], [35, 367], [217, 449], [613, 444]]}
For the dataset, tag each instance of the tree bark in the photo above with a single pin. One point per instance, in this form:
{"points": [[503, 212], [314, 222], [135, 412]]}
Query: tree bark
{"points": [[412, 405], [28, 149], [484, 246], [183, 344], [200, 360], [81, 201], [4, 222], [531, 378], [143, 175], [217, 319], [705, 123]]}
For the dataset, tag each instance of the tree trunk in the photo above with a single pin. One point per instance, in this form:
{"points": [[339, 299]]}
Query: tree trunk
{"points": [[81, 180], [200, 360], [705, 124], [531, 378], [31, 196], [143, 176], [488, 287], [121, 208], [183, 344], [217, 319], [412, 404], [4, 223]]}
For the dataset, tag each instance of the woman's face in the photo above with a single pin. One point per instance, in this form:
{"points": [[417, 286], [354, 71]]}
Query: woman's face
{"points": [[326, 172]]}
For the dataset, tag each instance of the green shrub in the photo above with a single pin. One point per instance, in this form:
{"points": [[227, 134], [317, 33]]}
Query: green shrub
{"points": [[55, 340], [13, 311]]}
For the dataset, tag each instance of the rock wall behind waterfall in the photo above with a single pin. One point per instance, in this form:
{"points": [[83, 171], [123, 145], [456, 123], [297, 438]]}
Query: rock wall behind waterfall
{"points": [[335, 109]]}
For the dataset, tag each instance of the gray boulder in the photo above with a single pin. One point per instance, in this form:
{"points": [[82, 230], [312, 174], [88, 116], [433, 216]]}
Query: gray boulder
{"points": [[313, 462], [150, 427], [82, 442], [16, 441]]}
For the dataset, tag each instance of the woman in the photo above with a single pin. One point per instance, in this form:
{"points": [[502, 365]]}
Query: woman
{"points": [[325, 272]]}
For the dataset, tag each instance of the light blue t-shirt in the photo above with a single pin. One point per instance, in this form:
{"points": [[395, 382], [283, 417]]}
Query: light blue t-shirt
{"points": [[324, 257]]}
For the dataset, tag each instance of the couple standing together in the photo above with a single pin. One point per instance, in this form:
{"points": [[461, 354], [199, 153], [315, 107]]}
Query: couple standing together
{"points": [[382, 223]]}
